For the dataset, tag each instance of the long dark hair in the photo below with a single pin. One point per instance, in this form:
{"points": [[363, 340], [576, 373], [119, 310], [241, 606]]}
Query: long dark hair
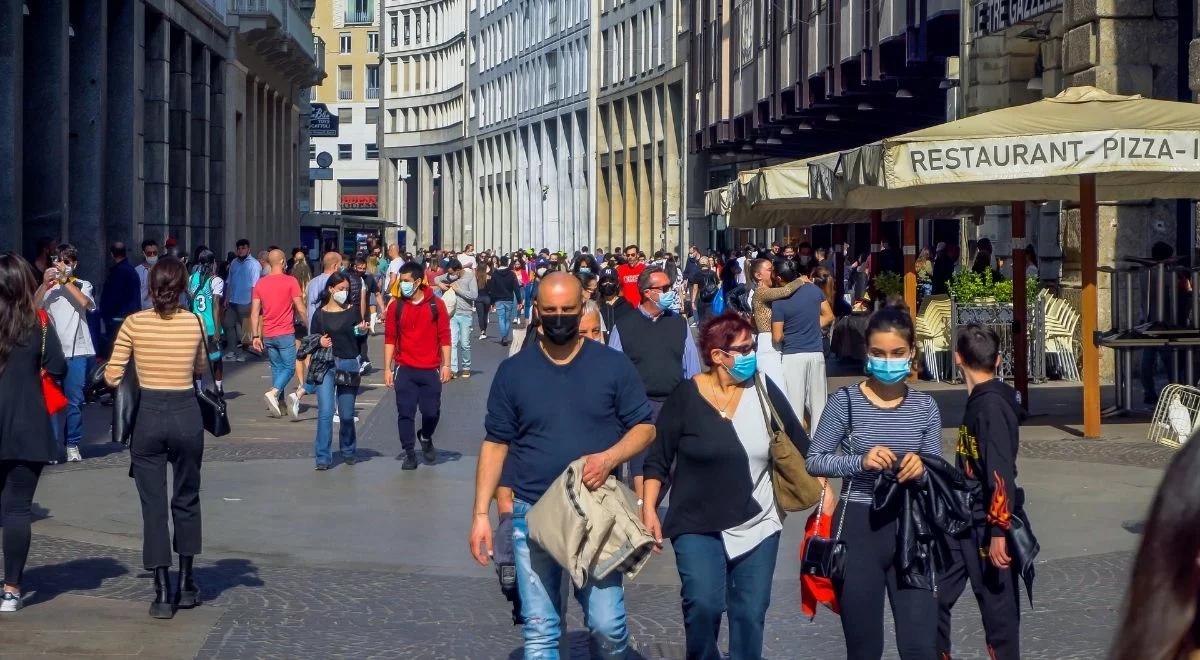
{"points": [[168, 280], [334, 280], [1159, 621], [18, 315]]}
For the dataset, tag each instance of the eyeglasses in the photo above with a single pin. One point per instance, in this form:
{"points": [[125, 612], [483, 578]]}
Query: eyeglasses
{"points": [[745, 349], [661, 289], [631, 254]]}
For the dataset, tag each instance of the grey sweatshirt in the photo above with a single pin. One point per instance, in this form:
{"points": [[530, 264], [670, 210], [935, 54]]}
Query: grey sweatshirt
{"points": [[466, 288]]}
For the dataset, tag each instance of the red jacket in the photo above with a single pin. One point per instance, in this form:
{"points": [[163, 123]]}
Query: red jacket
{"points": [[629, 282], [419, 337]]}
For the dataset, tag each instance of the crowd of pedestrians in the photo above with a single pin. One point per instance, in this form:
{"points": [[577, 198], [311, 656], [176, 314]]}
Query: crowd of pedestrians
{"points": [[677, 377]]}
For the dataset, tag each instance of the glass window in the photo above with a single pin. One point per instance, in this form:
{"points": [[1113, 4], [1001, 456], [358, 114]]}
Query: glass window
{"points": [[372, 115], [345, 115], [394, 29], [345, 83], [372, 81], [372, 151], [372, 42], [312, 151], [346, 42], [360, 11], [345, 152]]}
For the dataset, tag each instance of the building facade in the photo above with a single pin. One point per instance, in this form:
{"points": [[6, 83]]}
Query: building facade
{"points": [[132, 119], [344, 207]]}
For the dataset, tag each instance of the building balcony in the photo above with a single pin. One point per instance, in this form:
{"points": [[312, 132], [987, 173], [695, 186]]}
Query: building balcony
{"points": [[372, 93], [422, 138], [280, 32], [359, 17], [345, 94]]}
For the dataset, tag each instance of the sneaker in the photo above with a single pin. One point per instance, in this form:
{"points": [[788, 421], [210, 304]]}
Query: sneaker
{"points": [[427, 451], [410, 460], [236, 356], [322, 467], [466, 373], [73, 455], [272, 398], [10, 602], [350, 460], [294, 404], [338, 420], [364, 367], [483, 335]]}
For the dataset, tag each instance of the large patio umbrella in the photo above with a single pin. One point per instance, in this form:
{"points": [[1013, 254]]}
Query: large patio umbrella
{"points": [[1081, 145]]}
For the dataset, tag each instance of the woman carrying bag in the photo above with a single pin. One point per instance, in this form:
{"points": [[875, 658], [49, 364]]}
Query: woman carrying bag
{"points": [[879, 424], [339, 324], [724, 520], [166, 345], [28, 348]]}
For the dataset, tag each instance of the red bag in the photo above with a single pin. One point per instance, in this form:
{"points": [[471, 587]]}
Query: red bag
{"points": [[813, 589], [51, 392]]}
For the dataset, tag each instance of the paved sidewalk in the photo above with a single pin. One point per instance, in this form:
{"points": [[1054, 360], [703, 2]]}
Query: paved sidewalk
{"points": [[370, 561]]}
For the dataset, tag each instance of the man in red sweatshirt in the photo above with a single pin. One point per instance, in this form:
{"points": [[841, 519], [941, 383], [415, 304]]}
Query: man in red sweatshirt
{"points": [[628, 273], [417, 352]]}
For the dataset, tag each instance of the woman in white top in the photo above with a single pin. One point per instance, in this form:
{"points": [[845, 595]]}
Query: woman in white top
{"points": [[723, 522]]}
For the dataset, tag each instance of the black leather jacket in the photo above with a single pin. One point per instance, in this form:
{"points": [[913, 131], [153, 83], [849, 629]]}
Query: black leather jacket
{"points": [[928, 512]]}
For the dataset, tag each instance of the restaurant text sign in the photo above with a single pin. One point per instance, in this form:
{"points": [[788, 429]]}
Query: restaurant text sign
{"points": [[992, 16], [922, 163]]}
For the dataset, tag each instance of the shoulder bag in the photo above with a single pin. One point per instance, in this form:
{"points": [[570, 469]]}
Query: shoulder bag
{"points": [[826, 557], [341, 378], [213, 412], [795, 489], [51, 392]]}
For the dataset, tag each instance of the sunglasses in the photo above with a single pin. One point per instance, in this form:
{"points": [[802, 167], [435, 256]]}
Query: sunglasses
{"points": [[745, 349], [661, 289], [631, 254]]}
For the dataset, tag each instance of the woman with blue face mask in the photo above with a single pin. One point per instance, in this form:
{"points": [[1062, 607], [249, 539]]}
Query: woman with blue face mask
{"points": [[875, 425], [723, 522]]}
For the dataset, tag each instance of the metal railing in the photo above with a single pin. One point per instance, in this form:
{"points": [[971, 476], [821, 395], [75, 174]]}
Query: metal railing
{"points": [[372, 93], [345, 94], [353, 16]]}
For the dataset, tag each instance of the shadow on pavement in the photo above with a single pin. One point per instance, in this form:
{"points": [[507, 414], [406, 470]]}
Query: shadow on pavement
{"points": [[100, 450], [47, 582], [224, 574], [577, 642]]}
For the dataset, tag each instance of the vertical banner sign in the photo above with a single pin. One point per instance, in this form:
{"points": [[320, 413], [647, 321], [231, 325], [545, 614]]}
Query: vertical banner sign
{"points": [[321, 122]]}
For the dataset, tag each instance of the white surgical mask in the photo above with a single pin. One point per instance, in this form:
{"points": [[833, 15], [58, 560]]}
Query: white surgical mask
{"points": [[150, 261], [340, 297]]}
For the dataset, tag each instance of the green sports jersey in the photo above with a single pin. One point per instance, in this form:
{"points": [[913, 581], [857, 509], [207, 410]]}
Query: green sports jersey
{"points": [[203, 302]]}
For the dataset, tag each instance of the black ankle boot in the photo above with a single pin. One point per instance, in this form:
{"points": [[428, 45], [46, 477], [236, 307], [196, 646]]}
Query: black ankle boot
{"points": [[162, 607], [188, 594]]}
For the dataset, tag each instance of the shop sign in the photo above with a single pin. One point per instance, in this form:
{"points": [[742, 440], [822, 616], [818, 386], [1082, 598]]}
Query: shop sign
{"points": [[992, 16], [321, 122], [360, 202], [1036, 156]]}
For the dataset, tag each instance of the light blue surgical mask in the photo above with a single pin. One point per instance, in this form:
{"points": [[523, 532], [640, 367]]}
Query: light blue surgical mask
{"points": [[408, 288], [585, 271], [666, 301], [744, 366], [889, 370]]}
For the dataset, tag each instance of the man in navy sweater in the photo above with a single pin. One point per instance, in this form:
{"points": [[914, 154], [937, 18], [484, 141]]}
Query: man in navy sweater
{"points": [[565, 398]]}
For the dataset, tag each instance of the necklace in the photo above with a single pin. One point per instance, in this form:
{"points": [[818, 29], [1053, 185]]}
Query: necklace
{"points": [[722, 410]]}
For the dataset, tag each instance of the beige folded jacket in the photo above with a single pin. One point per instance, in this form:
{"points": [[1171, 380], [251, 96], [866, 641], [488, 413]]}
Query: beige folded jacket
{"points": [[591, 533]]}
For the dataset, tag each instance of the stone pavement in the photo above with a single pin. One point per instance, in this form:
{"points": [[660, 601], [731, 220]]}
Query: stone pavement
{"points": [[369, 561]]}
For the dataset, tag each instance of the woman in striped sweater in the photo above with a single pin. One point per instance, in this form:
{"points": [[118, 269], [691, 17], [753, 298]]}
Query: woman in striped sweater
{"points": [[167, 348], [879, 424]]}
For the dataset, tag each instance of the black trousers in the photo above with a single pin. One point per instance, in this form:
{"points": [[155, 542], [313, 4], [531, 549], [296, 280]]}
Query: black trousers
{"points": [[870, 575], [482, 308], [415, 387], [995, 590], [18, 481], [168, 430]]}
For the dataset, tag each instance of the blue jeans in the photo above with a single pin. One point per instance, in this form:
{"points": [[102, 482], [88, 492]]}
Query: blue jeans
{"points": [[539, 577], [527, 292], [72, 384], [460, 341], [505, 310], [281, 353], [713, 583], [328, 395]]}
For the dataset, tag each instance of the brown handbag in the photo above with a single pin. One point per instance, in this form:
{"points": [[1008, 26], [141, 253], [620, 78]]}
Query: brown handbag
{"points": [[795, 489]]}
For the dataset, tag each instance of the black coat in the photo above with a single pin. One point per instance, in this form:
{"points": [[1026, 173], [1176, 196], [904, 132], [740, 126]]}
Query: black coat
{"points": [[928, 512], [25, 432]]}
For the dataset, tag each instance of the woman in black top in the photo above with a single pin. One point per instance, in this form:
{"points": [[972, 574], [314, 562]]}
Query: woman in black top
{"points": [[339, 322], [723, 521], [26, 441], [612, 304]]}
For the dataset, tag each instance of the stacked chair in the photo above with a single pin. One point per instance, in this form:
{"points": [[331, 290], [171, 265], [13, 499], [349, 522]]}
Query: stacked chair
{"points": [[933, 332], [1061, 324]]}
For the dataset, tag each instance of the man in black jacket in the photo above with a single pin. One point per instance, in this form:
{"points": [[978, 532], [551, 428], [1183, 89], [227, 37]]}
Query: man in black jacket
{"points": [[505, 293], [987, 456]]}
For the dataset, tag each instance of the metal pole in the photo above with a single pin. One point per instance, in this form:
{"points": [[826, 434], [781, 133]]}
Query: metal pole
{"points": [[1020, 295], [908, 231]]}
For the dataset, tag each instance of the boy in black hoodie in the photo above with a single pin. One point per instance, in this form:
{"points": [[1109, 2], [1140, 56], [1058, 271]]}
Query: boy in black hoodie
{"points": [[987, 456]]}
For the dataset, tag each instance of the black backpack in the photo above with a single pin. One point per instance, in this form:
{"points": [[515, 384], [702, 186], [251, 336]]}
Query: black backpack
{"points": [[711, 287]]}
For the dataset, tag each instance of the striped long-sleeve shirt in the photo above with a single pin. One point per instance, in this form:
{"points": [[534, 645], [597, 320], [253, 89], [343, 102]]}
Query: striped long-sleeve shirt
{"points": [[913, 426], [166, 352]]}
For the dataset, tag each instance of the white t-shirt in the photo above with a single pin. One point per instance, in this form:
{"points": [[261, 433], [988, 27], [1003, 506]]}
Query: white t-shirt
{"points": [[751, 429], [69, 321]]}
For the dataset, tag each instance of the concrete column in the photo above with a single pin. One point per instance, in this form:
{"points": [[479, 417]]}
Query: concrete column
{"points": [[217, 104], [179, 101], [424, 206], [45, 180], [155, 157], [1125, 48], [201, 140], [673, 163], [657, 200], [124, 204], [628, 139], [85, 228], [12, 75]]}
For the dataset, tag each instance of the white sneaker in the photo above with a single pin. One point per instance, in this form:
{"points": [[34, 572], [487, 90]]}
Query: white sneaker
{"points": [[364, 367], [73, 455], [272, 398], [10, 602], [483, 335], [294, 404], [338, 420]]}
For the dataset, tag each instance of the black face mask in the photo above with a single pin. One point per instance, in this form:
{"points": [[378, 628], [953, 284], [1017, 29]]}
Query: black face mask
{"points": [[560, 329], [608, 288]]}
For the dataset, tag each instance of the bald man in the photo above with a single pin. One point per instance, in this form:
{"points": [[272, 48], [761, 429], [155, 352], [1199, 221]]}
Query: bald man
{"points": [[276, 303], [533, 441]]}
